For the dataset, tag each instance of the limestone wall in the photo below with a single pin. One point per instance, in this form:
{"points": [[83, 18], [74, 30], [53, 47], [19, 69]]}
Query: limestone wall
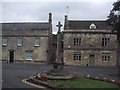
{"points": [[68, 58], [39, 53], [89, 43]]}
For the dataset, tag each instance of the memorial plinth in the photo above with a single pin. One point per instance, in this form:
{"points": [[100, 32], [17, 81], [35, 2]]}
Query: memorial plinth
{"points": [[58, 72]]}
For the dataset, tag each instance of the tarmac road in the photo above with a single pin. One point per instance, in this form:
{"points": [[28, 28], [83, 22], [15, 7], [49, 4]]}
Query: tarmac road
{"points": [[13, 73]]}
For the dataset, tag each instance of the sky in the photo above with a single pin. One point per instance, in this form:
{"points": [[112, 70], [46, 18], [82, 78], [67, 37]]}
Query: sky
{"points": [[38, 10]]}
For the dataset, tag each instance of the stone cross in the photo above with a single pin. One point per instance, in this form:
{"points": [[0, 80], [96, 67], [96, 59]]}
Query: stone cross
{"points": [[59, 26], [58, 62]]}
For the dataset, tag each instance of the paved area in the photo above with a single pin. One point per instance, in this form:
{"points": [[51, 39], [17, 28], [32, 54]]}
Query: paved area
{"points": [[14, 73], [108, 72]]}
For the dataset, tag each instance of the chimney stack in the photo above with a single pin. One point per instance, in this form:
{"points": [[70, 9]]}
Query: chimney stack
{"points": [[66, 22], [66, 18], [50, 17]]}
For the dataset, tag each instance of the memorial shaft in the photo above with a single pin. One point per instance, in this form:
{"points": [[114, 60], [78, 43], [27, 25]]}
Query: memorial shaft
{"points": [[59, 42]]}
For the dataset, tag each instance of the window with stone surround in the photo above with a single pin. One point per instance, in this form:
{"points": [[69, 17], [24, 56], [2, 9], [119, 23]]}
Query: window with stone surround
{"points": [[76, 41], [105, 41], [105, 56], [29, 55], [36, 41], [19, 42], [77, 56], [4, 41]]}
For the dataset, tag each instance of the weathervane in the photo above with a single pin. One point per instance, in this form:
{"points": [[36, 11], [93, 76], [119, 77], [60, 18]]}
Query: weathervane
{"points": [[67, 8]]}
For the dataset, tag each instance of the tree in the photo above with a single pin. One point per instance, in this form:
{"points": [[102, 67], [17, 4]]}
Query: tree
{"points": [[114, 20]]}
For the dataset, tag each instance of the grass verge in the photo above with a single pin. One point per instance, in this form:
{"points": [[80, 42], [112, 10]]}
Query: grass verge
{"points": [[81, 83]]}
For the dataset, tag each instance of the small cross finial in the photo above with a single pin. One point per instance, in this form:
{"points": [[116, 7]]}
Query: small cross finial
{"points": [[59, 26], [67, 10]]}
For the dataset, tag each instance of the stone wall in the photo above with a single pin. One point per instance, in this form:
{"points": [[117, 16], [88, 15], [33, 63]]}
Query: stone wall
{"points": [[68, 58], [39, 52], [90, 43]]}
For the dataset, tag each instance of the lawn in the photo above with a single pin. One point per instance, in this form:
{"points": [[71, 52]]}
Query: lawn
{"points": [[81, 83]]}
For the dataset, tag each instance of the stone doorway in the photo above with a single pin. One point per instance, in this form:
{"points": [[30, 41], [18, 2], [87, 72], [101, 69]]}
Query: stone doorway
{"points": [[11, 56], [91, 59]]}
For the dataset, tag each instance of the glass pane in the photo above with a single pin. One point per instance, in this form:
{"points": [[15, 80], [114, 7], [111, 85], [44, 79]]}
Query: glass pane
{"points": [[37, 41], [28, 55], [19, 42], [4, 41]]}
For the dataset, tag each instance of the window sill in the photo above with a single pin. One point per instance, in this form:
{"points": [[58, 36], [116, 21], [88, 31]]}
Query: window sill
{"points": [[104, 61], [19, 46], [77, 60], [36, 45], [4, 45], [29, 59]]}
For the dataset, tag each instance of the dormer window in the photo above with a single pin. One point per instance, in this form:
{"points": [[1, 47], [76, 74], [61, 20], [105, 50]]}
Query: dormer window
{"points": [[92, 26]]}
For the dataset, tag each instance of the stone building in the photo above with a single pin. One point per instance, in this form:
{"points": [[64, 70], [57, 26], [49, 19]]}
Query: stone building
{"points": [[89, 43], [27, 41]]}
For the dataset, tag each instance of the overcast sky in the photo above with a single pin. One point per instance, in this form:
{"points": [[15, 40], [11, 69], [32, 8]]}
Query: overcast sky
{"points": [[24, 11]]}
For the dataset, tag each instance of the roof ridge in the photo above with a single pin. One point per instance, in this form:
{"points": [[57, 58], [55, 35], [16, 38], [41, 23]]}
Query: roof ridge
{"points": [[88, 20], [24, 22]]}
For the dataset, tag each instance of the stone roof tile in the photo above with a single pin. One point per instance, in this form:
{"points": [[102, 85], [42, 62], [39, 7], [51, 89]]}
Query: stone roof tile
{"points": [[25, 26], [77, 25]]}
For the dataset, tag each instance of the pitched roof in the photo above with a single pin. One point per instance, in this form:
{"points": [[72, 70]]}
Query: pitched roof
{"points": [[25, 26], [74, 24]]}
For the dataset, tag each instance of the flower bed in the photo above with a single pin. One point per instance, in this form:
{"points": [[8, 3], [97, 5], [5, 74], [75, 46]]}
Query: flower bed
{"points": [[79, 82], [103, 79]]}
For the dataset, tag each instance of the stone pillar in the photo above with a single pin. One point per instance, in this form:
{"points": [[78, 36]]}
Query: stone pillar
{"points": [[50, 47]]}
